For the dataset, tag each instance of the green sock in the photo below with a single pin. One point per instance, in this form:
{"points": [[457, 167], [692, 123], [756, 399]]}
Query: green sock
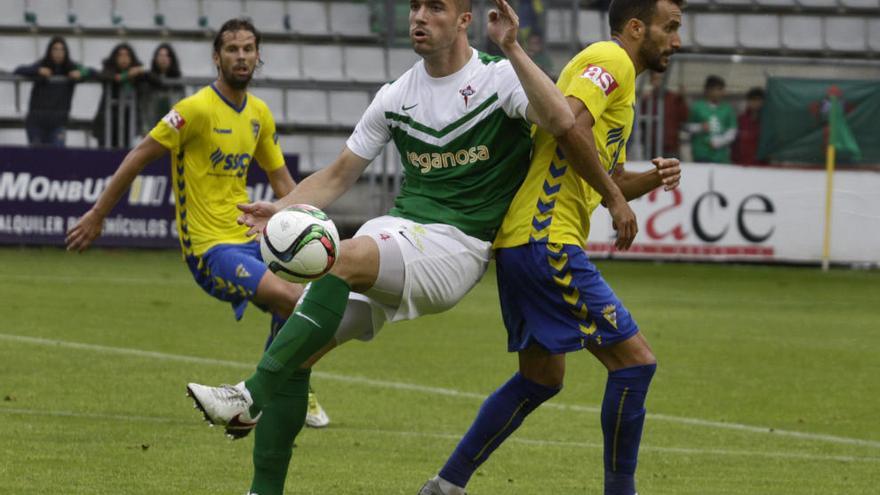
{"points": [[310, 327], [281, 422]]}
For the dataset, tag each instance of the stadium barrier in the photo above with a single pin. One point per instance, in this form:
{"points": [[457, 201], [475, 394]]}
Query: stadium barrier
{"points": [[720, 212], [43, 191], [762, 214]]}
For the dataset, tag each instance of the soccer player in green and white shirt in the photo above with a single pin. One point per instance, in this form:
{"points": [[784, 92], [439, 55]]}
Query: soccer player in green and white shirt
{"points": [[713, 124], [461, 123]]}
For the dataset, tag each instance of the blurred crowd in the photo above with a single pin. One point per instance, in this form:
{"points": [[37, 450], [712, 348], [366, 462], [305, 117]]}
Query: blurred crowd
{"points": [[134, 96]]}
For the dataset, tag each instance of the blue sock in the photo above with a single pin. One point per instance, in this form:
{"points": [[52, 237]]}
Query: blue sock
{"points": [[623, 415], [500, 415], [274, 327]]}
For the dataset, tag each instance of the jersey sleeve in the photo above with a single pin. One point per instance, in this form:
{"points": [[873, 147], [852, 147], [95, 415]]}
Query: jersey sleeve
{"points": [[372, 132], [596, 83], [178, 126], [510, 91], [268, 153]]}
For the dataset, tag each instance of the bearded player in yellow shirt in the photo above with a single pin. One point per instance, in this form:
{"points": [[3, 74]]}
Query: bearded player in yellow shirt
{"points": [[214, 136], [553, 299]]}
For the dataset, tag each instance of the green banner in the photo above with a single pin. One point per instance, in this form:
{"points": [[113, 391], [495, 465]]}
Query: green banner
{"points": [[795, 120]]}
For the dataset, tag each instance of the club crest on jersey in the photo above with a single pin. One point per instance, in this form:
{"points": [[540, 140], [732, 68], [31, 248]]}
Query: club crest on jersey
{"points": [[610, 314], [466, 93], [255, 126], [241, 271], [174, 119], [601, 78]]}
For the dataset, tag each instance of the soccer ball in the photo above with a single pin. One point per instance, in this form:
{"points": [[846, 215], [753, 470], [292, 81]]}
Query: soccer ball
{"points": [[299, 243]]}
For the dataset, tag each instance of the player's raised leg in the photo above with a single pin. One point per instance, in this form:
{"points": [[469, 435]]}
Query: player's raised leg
{"points": [[309, 329], [315, 321]]}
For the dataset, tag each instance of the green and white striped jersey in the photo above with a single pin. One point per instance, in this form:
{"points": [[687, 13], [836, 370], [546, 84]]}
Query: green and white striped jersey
{"points": [[463, 140]]}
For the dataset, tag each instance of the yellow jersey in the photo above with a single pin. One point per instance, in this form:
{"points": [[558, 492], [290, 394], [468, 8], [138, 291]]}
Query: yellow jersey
{"points": [[554, 203], [212, 144]]}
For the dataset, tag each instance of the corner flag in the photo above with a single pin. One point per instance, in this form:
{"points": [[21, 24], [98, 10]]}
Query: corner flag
{"points": [[840, 139]]}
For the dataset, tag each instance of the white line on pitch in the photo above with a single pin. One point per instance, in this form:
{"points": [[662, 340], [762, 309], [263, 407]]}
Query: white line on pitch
{"points": [[455, 437], [84, 415], [642, 448], [434, 390], [68, 279]]}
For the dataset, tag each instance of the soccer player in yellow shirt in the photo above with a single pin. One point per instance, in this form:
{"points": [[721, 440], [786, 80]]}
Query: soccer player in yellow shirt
{"points": [[214, 136], [553, 299]]}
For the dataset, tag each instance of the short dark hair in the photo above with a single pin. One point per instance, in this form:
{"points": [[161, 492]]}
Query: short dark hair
{"points": [[714, 81], [621, 11], [755, 93], [233, 25], [463, 5]]}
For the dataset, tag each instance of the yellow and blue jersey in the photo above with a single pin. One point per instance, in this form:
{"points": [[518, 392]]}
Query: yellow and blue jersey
{"points": [[213, 144], [554, 203]]}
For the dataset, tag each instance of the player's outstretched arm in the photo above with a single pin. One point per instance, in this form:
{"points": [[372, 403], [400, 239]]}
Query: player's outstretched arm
{"points": [[89, 226], [580, 149], [547, 107], [319, 190]]}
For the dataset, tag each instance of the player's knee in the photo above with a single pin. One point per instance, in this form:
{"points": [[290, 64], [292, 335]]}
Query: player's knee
{"points": [[282, 303], [643, 356], [634, 351], [547, 370], [358, 263], [545, 377], [277, 295], [282, 307]]}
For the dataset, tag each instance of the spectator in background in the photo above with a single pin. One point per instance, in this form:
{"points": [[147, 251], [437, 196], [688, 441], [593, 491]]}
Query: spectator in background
{"points": [[55, 77], [531, 20], [712, 124], [675, 114], [121, 74], [748, 134], [161, 88], [531, 17], [535, 49]]}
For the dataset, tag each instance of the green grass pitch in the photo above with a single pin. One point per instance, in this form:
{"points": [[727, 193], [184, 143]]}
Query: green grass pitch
{"points": [[769, 383]]}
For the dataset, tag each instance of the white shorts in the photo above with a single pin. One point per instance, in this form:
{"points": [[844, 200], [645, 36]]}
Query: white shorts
{"points": [[423, 269]]}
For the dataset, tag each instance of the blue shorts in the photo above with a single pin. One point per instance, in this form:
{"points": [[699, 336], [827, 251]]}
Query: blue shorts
{"points": [[553, 295], [229, 272]]}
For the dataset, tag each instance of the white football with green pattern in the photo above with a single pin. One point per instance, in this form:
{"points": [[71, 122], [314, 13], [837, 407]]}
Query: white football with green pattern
{"points": [[300, 243]]}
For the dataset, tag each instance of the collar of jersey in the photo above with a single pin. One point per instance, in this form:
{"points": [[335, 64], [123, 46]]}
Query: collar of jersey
{"points": [[455, 74], [231, 105]]}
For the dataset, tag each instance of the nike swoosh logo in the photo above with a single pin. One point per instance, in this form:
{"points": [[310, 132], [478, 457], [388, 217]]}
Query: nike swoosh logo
{"points": [[307, 318], [403, 234], [408, 108]]}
